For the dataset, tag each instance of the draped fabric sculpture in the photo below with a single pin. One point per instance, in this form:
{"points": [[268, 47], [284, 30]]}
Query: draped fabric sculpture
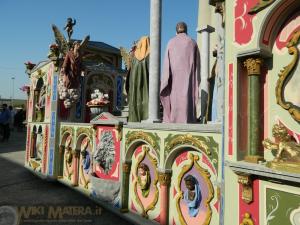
{"points": [[181, 78], [138, 81]]}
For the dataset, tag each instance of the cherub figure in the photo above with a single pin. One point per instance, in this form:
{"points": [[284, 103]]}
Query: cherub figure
{"points": [[285, 149], [144, 179], [69, 27]]}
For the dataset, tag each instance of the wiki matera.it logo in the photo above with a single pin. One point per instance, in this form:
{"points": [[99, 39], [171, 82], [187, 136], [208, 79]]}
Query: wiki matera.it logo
{"points": [[8, 215]]}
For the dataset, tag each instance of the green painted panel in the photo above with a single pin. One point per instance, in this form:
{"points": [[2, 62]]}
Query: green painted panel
{"points": [[280, 205]]}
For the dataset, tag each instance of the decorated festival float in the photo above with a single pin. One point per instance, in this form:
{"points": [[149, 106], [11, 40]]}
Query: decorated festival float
{"points": [[238, 164]]}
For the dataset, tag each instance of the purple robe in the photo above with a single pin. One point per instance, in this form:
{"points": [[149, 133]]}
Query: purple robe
{"points": [[181, 79]]}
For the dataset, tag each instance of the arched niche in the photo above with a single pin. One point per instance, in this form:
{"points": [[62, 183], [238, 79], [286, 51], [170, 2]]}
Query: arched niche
{"points": [[85, 160], [189, 172], [273, 20], [105, 83], [65, 154]]}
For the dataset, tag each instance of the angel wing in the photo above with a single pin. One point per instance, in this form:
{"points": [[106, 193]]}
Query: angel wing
{"points": [[60, 40], [126, 57], [84, 41]]}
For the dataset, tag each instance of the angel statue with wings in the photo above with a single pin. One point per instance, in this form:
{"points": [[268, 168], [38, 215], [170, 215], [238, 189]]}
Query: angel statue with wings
{"points": [[71, 70]]}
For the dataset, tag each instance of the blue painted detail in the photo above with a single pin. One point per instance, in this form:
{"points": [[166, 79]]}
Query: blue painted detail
{"points": [[119, 91], [51, 157], [79, 103], [53, 124], [54, 92]]}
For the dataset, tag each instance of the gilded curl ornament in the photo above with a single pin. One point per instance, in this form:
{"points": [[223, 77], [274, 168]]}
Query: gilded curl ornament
{"points": [[286, 74]]}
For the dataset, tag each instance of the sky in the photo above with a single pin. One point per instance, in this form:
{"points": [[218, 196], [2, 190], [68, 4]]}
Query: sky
{"points": [[26, 29]]}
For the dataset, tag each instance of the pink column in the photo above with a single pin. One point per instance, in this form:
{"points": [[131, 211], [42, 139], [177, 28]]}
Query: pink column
{"points": [[164, 179], [76, 156]]}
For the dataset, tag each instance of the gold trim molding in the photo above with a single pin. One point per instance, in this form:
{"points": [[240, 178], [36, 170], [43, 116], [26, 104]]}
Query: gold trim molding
{"points": [[206, 175], [187, 139], [144, 136], [247, 220], [146, 152], [88, 131], [247, 187], [284, 75], [261, 5], [253, 66], [164, 178]]}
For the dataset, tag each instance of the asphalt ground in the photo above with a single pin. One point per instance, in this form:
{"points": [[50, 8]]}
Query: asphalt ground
{"points": [[27, 199]]}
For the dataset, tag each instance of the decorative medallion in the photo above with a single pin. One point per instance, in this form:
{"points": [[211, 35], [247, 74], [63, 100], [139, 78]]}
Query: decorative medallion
{"points": [[145, 183], [194, 192]]}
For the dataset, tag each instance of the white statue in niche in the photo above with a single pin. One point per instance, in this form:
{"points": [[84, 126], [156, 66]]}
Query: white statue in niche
{"points": [[105, 151]]}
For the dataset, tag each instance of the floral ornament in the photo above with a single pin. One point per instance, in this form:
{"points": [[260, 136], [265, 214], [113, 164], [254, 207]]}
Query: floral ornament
{"points": [[54, 51], [29, 65], [25, 88], [98, 99]]}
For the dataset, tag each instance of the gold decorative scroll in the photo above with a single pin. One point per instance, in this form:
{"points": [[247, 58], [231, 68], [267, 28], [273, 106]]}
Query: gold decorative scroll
{"points": [[253, 66], [88, 131], [261, 5], [285, 75], [247, 187], [153, 161], [144, 136], [206, 175], [187, 139]]}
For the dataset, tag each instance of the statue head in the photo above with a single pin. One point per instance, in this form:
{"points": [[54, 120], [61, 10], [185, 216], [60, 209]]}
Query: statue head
{"points": [[143, 169], [280, 131], [76, 46], [190, 182], [181, 27]]}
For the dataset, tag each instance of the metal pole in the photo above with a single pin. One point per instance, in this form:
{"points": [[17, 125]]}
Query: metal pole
{"points": [[13, 91]]}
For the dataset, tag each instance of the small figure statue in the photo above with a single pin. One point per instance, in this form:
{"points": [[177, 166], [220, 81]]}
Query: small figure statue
{"points": [[144, 179], [285, 148], [40, 105], [181, 78], [192, 196], [69, 27], [86, 162]]}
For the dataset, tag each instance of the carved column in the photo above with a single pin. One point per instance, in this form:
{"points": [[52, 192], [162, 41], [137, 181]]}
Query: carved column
{"points": [[76, 157], [164, 179], [125, 186], [61, 162], [154, 70], [253, 66]]}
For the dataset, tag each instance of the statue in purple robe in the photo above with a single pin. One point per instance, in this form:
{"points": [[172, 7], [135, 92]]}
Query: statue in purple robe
{"points": [[181, 78]]}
